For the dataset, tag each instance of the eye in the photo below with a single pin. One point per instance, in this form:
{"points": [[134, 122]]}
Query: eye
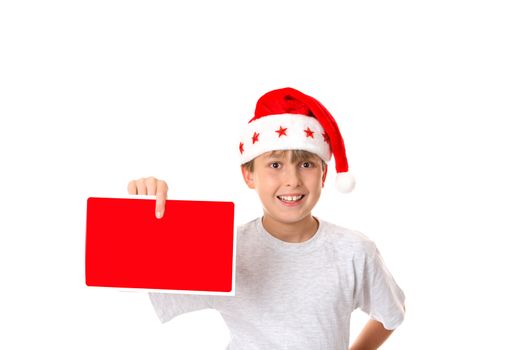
{"points": [[275, 165], [307, 165]]}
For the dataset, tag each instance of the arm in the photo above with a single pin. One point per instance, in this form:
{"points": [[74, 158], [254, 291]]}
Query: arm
{"points": [[371, 337]]}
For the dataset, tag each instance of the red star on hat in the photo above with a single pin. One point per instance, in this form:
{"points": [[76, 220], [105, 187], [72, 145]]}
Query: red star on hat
{"points": [[255, 137], [309, 133], [281, 131]]}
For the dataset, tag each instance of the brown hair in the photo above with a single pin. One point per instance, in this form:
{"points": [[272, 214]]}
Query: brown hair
{"points": [[298, 155]]}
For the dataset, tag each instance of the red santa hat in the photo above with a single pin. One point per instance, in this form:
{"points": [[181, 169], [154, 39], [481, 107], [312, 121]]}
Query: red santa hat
{"points": [[287, 119]]}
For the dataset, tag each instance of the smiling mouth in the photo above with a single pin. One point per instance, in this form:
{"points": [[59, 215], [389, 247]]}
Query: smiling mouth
{"points": [[291, 199]]}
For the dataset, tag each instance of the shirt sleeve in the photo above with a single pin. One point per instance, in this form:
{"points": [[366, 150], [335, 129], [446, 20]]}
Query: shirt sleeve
{"points": [[170, 305], [379, 295]]}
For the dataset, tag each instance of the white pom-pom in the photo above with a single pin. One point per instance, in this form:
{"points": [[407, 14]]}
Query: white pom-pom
{"points": [[345, 182]]}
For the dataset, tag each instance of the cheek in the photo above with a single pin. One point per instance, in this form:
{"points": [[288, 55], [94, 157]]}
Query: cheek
{"points": [[266, 182], [315, 178]]}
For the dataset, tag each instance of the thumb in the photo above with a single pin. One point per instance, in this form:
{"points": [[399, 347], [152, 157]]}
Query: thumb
{"points": [[160, 204]]}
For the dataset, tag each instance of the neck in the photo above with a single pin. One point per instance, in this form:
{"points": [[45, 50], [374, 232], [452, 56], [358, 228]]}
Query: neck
{"points": [[296, 232]]}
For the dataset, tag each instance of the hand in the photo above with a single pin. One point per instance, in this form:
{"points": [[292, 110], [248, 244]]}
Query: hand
{"points": [[151, 186]]}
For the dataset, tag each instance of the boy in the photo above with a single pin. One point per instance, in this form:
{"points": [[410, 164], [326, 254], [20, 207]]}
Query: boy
{"points": [[298, 277]]}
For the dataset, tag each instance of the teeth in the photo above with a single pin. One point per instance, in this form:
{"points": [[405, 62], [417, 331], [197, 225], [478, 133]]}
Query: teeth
{"points": [[290, 198]]}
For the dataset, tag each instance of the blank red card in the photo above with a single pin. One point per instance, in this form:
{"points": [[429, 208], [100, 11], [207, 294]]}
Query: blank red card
{"points": [[191, 248]]}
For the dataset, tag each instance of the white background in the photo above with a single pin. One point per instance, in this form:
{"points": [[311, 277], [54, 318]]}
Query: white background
{"points": [[428, 95]]}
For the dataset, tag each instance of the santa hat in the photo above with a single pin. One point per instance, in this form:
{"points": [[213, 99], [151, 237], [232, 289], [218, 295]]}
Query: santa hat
{"points": [[287, 119]]}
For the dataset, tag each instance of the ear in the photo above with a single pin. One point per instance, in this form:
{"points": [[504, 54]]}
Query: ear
{"points": [[248, 177], [325, 172]]}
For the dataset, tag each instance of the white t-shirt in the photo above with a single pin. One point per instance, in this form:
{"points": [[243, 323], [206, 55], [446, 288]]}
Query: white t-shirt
{"points": [[298, 295]]}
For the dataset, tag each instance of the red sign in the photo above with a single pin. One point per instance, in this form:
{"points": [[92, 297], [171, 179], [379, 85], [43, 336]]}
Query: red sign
{"points": [[189, 249]]}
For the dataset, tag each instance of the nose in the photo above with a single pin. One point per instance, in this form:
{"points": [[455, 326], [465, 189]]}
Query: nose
{"points": [[291, 176]]}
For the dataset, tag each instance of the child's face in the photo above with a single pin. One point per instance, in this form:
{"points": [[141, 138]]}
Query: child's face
{"points": [[288, 191]]}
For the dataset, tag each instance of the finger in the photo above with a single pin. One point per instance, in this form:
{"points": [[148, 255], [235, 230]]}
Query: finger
{"points": [[132, 187], [151, 186], [141, 186], [162, 195]]}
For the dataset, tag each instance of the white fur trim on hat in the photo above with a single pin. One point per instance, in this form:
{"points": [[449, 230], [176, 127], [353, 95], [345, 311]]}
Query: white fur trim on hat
{"points": [[300, 132]]}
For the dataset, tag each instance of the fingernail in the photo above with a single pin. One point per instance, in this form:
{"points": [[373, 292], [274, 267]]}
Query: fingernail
{"points": [[158, 215]]}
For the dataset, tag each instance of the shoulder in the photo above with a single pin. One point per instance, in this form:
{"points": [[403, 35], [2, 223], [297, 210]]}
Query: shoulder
{"points": [[247, 234], [348, 240], [247, 227]]}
